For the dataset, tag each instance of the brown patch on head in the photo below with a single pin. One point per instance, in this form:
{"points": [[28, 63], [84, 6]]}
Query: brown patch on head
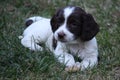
{"points": [[74, 22], [57, 19], [82, 24]]}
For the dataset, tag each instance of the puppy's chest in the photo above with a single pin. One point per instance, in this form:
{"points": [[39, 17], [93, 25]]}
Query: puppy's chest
{"points": [[75, 48]]}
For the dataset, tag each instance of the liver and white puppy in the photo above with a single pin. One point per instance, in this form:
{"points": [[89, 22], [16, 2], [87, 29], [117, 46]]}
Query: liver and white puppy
{"points": [[71, 31]]}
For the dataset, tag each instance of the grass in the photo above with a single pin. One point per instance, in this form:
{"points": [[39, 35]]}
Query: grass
{"points": [[19, 63]]}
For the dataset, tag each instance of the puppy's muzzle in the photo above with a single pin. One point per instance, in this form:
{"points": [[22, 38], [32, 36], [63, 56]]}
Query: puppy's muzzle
{"points": [[61, 35]]}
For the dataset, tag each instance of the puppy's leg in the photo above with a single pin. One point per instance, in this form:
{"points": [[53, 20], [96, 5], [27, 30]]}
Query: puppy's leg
{"points": [[86, 63], [89, 54], [74, 68], [64, 57], [30, 43], [89, 62]]}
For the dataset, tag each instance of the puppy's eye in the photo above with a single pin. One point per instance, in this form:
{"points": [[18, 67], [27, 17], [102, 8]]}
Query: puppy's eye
{"points": [[73, 25], [59, 20]]}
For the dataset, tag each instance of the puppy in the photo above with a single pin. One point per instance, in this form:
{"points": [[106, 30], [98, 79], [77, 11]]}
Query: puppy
{"points": [[70, 32]]}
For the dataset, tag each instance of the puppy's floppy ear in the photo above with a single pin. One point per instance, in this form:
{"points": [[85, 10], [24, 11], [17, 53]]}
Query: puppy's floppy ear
{"points": [[89, 27], [57, 19], [53, 23]]}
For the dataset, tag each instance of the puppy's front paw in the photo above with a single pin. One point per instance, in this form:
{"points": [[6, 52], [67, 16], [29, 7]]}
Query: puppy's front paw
{"points": [[74, 68]]}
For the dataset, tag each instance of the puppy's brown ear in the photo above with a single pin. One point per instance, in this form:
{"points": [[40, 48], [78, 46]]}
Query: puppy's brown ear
{"points": [[57, 19], [89, 28], [53, 23]]}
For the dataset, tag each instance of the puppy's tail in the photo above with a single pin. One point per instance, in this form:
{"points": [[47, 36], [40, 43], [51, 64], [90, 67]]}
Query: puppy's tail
{"points": [[28, 22], [31, 20]]}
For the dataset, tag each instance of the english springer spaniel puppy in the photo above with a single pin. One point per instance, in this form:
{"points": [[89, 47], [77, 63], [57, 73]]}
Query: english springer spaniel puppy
{"points": [[70, 32]]}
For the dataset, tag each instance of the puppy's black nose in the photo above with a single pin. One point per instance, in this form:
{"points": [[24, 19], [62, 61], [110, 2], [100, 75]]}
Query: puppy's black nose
{"points": [[61, 35]]}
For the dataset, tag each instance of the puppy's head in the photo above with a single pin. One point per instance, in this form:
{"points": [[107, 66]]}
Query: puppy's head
{"points": [[71, 23]]}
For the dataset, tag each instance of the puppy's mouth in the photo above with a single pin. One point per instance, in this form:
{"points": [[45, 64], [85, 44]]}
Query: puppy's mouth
{"points": [[62, 40], [65, 40]]}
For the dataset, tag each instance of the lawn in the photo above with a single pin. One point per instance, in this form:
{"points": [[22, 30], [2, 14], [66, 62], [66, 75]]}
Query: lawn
{"points": [[19, 63]]}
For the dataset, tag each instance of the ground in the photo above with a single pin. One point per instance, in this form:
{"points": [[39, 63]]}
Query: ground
{"points": [[19, 63]]}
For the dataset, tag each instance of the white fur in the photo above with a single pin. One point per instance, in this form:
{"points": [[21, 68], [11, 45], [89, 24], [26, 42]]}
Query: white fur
{"points": [[40, 31], [68, 11], [37, 32]]}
